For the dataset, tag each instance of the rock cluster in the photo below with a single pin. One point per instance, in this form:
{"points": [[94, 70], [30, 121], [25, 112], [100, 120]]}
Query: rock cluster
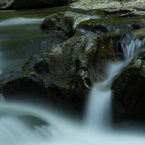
{"points": [[64, 74]]}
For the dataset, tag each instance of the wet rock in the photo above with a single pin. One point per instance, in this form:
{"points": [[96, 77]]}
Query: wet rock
{"points": [[102, 26], [6, 4], [65, 21], [71, 23], [128, 93], [64, 75]]}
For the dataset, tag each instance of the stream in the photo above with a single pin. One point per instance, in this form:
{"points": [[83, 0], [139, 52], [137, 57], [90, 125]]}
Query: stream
{"points": [[25, 124]]}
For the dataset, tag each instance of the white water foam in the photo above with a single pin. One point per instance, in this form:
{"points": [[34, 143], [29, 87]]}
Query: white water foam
{"points": [[20, 21]]}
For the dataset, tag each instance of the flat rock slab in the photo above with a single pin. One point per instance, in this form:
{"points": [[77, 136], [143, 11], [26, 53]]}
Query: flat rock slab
{"points": [[106, 5]]}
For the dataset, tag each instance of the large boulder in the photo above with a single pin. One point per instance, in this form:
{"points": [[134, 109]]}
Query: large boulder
{"points": [[64, 75], [82, 22], [64, 21]]}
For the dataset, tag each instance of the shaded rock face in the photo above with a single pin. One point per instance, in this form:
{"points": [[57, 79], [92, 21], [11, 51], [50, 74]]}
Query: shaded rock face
{"points": [[34, 3], [19, 4], [128, 93], [64, 74]]}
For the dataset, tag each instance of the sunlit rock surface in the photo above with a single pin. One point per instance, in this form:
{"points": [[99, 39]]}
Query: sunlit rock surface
{"points": [[110, 6]]}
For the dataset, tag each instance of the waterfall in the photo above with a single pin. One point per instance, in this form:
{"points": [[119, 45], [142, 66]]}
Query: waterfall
{"points": [[98, 110], [131, 49]]}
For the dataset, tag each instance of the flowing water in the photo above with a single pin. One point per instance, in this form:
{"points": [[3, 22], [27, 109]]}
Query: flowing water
{"points": [[47, 126]]}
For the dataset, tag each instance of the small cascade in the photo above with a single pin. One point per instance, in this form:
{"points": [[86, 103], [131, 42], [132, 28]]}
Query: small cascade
{"points": [[100, 100], [101, 92], [130, 50]]}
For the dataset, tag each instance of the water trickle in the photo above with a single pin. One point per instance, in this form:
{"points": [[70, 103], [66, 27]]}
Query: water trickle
{"points": [[130, 50]]}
